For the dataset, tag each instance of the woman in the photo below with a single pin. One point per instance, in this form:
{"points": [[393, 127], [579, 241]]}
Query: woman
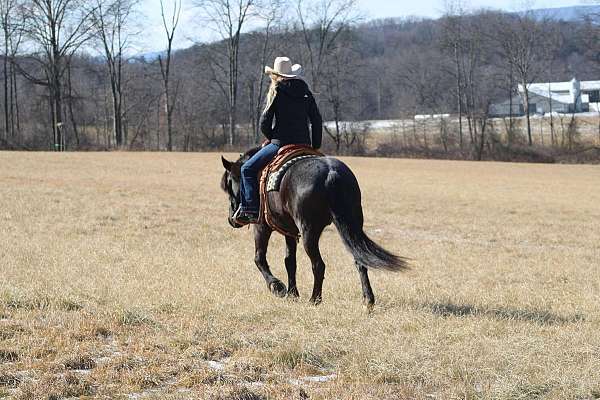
{"points": [[292, 104]]}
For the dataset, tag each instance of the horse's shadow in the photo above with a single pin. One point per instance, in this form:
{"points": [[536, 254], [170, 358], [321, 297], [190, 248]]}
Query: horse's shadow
{"points": [[542, 317]]}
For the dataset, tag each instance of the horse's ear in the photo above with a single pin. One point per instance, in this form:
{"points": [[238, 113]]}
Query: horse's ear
{"points": [[226, 164]]}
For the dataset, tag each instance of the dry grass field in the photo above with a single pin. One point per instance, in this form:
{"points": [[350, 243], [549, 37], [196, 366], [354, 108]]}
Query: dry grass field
{"points": [[120, 278]]}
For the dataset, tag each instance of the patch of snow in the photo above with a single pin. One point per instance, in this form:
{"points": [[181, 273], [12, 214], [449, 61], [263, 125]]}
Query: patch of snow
{"points": [[141, 395], [102, 360], [431, 116], [313, 379], [82, 371], [256, 384], [216, 365], [322, 378], [153, 392]]}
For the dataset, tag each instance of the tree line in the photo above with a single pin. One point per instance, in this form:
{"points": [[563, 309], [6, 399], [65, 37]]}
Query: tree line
{"points": [[72, 82]]}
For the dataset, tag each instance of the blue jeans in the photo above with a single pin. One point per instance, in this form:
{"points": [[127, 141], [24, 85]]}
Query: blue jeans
{"points": [[249, 182]]}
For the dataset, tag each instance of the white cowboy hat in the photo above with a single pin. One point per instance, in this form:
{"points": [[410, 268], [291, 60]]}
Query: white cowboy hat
{"points": [[283, 67]]}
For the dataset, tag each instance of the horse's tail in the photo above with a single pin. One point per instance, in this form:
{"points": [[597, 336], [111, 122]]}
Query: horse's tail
{"points": [[346, 209]]}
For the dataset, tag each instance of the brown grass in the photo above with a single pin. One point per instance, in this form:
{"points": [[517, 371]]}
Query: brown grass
{"points": [[121, 276]]}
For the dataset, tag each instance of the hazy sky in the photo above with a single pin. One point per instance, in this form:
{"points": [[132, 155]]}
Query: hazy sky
{"points": [[152, 38], [434, 8]]}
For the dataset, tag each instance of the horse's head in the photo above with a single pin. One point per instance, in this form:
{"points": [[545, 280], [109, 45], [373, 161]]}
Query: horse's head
{"points": [[230, 183]]}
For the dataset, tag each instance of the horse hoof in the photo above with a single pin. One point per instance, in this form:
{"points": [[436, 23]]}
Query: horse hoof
{"points": [[293, 293], [316, 300], [277, 288], [369, 304]]}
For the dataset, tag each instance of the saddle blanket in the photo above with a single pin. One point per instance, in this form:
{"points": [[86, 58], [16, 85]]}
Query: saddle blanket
{"points": [[274, 180]]}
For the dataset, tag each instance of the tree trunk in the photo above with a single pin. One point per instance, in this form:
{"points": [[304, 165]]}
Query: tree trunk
{"points": [[511, 126], [6, 83], [158, 127], [70, 105], [459, 97], [169, 121], [233, 89], [232, 123], [415, 137], [379, 89], [116, 109], [481, 141], [15, 96], [443, 137], [11, 96], [551, 116], [470, 125], [123, 121], [57, 119], [404, 136], [527, 114], [338, 136]]}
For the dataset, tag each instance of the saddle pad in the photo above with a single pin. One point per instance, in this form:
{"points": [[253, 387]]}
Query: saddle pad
{"points": [[274, 180]]}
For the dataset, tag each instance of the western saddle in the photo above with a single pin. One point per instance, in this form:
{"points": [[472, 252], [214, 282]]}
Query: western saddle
{"points": [[272, 174]]}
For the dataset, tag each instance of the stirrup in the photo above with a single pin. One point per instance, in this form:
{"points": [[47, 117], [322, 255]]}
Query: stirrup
{"points": [[244, 218]]}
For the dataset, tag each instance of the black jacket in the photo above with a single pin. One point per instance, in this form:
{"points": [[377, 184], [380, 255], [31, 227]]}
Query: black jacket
{"points": [[293, 107]]}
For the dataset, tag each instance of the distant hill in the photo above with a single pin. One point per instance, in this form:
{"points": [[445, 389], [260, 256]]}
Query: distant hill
{"points": [[574, 13], [151, 56]]}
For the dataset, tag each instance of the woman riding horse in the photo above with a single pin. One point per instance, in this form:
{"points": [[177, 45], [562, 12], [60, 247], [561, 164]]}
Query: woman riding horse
{"points": [[313, 193], [292, 104]]}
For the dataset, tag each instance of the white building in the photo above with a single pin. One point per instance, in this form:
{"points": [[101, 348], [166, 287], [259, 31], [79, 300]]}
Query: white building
{"points": [[561, 97]]}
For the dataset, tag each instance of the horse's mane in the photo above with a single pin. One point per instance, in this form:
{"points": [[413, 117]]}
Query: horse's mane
{"points": [[246, 156]]}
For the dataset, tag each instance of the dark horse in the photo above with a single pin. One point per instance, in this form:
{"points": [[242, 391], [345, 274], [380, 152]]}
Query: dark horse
{"points": [[313, 193]]}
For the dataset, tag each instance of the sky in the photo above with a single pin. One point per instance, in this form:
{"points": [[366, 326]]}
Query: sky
{"points": [[191, 29], [435, 8]]}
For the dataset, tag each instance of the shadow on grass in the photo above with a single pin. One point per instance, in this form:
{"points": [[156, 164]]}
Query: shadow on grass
{"points": [[541, 317]]}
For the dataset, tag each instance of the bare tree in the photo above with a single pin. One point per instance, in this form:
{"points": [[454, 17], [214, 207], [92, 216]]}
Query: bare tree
{"points": [[552, 50], [270, 14], [471, 66], [452, 42], [419, 74], [592, 36], [521, 40], [321, 23], [227, 18], [11, 23], [57, 28], [338, 81], [170, 25], [110, 19]]}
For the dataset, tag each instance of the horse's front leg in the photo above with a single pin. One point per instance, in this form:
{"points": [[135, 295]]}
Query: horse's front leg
{"points": [[290, 266], [262, 234]]}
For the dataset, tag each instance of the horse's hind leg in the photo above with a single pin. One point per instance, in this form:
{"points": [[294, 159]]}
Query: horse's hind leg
{"points": [[311, 246], [290, 266], [368, 296], [262, 234]]}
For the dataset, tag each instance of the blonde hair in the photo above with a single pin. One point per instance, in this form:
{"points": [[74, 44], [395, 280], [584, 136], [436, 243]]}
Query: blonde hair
{"points": [[275, 79]]}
